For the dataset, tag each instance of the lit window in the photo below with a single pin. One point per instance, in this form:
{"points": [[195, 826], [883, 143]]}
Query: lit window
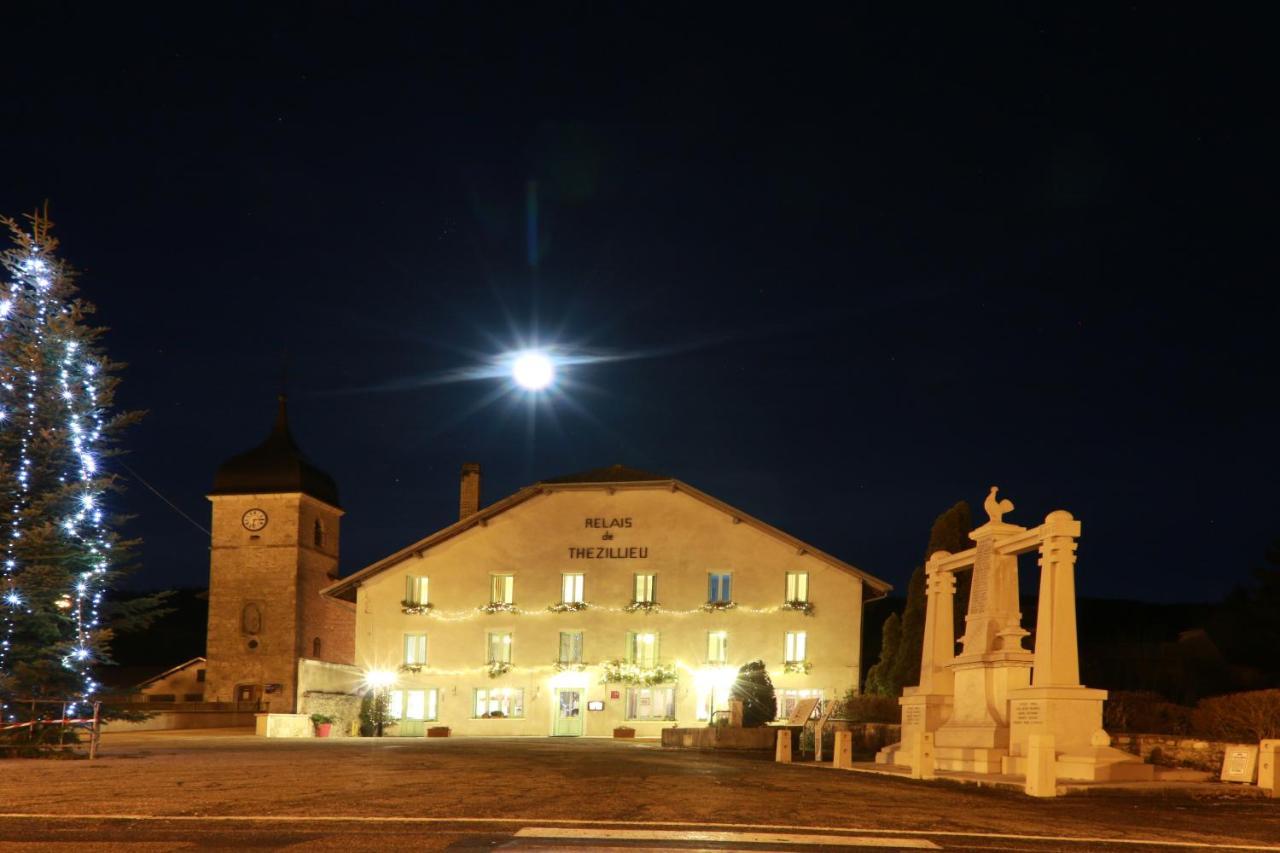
{"points": [[717, 647], [570, 647], [415, 649], [651, 703], [787, 700], [719, 587], [412, 704], [795, 650], [500, 702], [712, 698], [502, 589], [415, 591], [571, 589], [499, 647], [642, 648], [797, 586], [646, 589]]}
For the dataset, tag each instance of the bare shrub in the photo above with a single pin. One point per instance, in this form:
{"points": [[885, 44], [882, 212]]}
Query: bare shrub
{"points": [[1143, 712], [865, 708], [1239, 717]]}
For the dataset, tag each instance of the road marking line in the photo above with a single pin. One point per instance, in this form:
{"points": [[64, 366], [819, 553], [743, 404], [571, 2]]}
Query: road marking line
{"points": [[285, 818], [720, 837]]}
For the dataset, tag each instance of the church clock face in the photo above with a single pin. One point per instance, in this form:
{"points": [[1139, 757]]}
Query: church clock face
{"points": [[254, 520]]}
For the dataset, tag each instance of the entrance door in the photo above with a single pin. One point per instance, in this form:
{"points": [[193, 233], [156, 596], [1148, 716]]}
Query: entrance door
{"points": [[568, 713]]}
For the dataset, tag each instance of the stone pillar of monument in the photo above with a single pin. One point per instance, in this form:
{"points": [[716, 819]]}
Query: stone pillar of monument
{"points": [[925, 707], [975, 737], [1056, 708]]}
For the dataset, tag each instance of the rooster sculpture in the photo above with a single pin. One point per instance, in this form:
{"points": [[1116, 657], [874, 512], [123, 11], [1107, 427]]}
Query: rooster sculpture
{"points": [[996, 509]]}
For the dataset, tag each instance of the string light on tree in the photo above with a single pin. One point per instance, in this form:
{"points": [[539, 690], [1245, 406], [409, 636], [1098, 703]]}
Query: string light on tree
{"points": [[56, 388]]}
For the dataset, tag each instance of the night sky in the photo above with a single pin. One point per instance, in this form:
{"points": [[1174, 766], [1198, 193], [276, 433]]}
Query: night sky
{"points": [[840, 268]]}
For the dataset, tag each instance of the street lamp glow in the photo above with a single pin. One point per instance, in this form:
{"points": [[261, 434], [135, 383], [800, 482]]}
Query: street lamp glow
{"points": [[379, 679], [533, 370]]}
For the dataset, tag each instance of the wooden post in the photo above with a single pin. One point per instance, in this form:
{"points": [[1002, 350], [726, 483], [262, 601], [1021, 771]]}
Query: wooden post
{"points": [[782, 753], [1042, 774], [96, 731]]}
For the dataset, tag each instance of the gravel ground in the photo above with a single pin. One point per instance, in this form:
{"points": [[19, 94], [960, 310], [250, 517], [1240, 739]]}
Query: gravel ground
{"points": [[230, 774]]}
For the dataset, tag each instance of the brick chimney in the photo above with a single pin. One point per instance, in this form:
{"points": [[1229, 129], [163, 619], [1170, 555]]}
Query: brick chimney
{"points": [[469, 492]]}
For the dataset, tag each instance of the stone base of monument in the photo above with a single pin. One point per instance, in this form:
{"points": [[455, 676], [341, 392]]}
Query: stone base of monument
{"points": [[1073, 717], [921, 712]]}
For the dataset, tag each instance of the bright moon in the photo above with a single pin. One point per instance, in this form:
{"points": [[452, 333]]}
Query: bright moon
{"points": [[533, 370]]}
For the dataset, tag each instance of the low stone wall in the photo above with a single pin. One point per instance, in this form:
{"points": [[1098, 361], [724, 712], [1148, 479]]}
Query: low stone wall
{"points": [[1173, 750], [868, 738], [343, 707], [187, 719], [722, 737]]}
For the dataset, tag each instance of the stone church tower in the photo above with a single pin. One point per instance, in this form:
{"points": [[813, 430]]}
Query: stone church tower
{"points": [[274, 547]]}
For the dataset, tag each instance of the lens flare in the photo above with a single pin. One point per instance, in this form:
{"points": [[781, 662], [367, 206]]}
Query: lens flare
{"points": [[533, 370]]}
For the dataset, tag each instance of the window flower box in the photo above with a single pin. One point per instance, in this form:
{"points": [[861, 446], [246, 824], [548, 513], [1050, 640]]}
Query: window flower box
{"points": [[568, 666], [567, 606], [414, 608], [622, 672], [646, 606], [498, 607], [805, 607], [800, 667], [498, 667], [717, 606], [413, 668]]}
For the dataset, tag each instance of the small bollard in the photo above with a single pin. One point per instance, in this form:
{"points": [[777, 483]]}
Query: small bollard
{"points": [[1268, 772], [1042, 774], [920, 755], [842, 757], [782, 753]]}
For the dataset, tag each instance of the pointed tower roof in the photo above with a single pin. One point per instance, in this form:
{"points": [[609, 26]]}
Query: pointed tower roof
{"points": [[275, 466]]}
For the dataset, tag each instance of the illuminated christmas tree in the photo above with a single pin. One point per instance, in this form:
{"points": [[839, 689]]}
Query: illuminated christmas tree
{"points": [[58, 551]]}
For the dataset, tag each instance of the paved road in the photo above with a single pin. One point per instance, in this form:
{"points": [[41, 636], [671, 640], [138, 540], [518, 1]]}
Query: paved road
{"points": [[181, 791]]}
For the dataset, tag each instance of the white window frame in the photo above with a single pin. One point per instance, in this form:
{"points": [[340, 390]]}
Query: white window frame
{"points": [[718, 647], [723, 592], [640, 651], [509, 700], [400, 704], [502, 588], [503, 647], [644, 588], [415, 589], [572, 585], [415, 649], [795, 647], [661, 702], [797, 586], [789, 696], [575, 647]]}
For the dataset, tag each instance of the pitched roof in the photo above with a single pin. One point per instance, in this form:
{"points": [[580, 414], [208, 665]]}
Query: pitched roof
{"points": [[346, 587], [273, 467]]}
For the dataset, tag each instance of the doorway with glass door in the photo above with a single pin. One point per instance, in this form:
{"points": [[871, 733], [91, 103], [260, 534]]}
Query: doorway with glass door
{"points": [[568, 712]]}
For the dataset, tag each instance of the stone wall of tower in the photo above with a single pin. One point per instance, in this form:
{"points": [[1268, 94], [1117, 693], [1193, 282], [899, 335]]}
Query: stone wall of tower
{"points": [[331, 622], [265, 608]]}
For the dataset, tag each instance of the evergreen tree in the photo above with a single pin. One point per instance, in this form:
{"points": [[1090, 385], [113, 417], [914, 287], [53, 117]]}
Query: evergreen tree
{"points": [[1246, 625], [899, 664], [755, 688], [878, 681], [57, 429]]}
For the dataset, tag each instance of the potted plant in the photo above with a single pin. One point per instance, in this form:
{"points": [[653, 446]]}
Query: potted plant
{"points": [[323, 723], [624, 732]]}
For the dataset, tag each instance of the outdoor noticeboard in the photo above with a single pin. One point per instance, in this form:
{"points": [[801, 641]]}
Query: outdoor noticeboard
{"points": [[1240, 763], [802, 711]]}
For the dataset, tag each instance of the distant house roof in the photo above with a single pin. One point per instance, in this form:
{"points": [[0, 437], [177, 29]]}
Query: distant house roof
{"points": [[198, 661], [273, 467], [618, 476]]}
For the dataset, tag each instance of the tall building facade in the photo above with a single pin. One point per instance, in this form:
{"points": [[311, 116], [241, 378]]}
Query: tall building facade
{"points": [[274, 547], [603, 599]]}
